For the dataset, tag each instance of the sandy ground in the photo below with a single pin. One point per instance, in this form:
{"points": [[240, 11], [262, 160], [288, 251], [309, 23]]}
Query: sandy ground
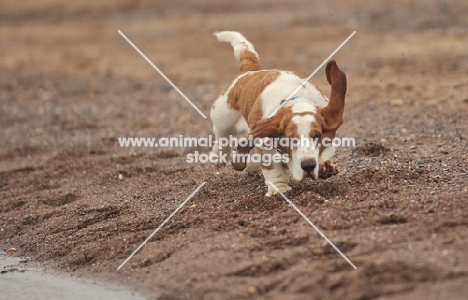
{"points": [[73, 200]]}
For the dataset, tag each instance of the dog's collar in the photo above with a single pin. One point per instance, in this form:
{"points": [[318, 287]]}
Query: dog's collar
{"points": [[290, 99]]}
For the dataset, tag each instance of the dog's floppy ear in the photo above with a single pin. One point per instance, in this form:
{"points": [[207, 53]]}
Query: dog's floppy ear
{"points": [[264, 128], [270, 127], [333, 112]]}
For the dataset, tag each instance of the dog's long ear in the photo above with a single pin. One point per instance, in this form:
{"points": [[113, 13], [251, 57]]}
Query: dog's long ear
{"points": [[333, 112], [264, 128], [270, 127]]}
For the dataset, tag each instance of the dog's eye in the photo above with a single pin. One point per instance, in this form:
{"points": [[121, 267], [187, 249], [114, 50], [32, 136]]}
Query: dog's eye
{"points": [[316, 137]]}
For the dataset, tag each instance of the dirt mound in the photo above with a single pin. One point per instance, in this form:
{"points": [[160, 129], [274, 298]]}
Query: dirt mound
{"points": [[371, 149]]}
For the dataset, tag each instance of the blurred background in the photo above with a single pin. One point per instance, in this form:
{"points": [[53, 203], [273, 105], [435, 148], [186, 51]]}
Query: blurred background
{"points": [[67, 72]]}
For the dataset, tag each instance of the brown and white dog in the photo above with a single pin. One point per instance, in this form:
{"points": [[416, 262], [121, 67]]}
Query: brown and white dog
{"points": [[255, 94]]}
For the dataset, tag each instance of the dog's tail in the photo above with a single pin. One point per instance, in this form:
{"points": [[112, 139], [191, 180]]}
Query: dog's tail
{"points": [[243, 50]]}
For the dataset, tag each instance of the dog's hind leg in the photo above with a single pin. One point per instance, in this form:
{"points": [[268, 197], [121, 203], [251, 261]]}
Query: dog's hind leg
{"points": [[224, 125]]}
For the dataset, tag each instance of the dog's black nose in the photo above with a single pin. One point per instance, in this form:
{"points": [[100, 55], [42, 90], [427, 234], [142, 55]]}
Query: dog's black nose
{"points": [[308, 165]]}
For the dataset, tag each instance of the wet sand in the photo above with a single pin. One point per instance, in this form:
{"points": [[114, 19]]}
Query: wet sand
{"points": [[18, 282]]}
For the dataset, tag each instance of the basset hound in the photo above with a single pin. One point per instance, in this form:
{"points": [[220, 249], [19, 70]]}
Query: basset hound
{"points": [[260, 101]]}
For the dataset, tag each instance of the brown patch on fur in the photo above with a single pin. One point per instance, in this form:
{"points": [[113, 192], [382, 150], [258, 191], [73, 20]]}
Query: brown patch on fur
{"points": [[276, 126], [333, 112], [249, 61], [289, 128], [224, 90], [245, 94], [305, 113], [316, 130]]}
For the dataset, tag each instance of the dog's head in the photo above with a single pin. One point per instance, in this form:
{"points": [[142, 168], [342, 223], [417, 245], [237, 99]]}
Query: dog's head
{"points": [[304, 122]]}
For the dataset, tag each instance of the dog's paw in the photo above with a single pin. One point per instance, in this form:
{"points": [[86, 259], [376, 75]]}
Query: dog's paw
{"points": [[282, 187], [216, 159], [328, 169]]}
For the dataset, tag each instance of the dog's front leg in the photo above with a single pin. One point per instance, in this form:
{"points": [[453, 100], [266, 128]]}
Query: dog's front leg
{"points": [[275, 173], [253, 167], [327, 168]]}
